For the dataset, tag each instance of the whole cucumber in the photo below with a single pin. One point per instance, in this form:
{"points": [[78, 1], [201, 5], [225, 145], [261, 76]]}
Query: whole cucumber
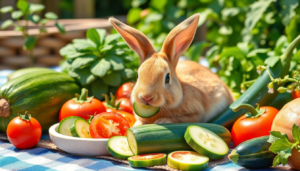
{"points": [[258, 92]]}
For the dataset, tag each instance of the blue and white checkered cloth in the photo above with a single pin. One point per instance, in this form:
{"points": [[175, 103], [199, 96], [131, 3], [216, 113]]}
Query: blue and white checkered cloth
{"points": [[41, 159]]}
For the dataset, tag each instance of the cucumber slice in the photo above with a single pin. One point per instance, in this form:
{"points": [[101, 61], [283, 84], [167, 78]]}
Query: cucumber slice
{"points": [[65, 124], [80, 128], [206, 142], [118, 147], [145, 111], [147, 160], [187, 160]]}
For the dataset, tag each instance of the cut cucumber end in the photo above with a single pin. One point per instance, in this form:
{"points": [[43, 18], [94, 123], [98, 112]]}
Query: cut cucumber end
{"points": [[80, 128], [187, 160], [147, 160], [145, 111], [65, 124], [118, 147], [132, 142], [206, 142]]}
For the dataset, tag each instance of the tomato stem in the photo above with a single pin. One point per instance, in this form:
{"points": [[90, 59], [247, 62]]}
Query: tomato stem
{"points": [[83, 98], [253, 113], [112, 102], [25, 117]]}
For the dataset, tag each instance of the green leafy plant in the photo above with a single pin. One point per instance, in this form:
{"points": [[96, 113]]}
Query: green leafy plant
{"points": [[282, 146], [27, 12], [100, 63]]}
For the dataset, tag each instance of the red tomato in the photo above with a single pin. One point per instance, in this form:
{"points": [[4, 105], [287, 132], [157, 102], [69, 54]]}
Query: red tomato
{"points": [[125, 105], [247, 128], [22, 133], [295, 94], [128, 116], [124, 91], [108, 124], [148, 156], [82, 109]]}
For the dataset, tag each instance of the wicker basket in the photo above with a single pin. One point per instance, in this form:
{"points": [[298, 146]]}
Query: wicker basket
{"points": [[46, 53]]}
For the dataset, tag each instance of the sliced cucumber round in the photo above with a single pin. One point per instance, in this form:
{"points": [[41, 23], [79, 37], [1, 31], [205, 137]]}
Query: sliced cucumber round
{"points": [[118, 147], [187, 160], [145, 111], [80, 128], [65, 125], [206, 142], [147, 160]]}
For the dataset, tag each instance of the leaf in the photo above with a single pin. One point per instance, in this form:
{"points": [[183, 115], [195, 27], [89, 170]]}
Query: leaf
{"points": [[204, 15], [195, 51], [82, 61], [255, 52], [99, 88], [69, 52], [19, 28], [94, 36], [292, 30], [153, 17], [133, 15], [269, 18], [102, 34], [35, 18], [225, 30], [6, 24], [116, 63], [284, 156], [271, 61], [101, 67], [106, 48], [127, 73], [36, 8], [230, 12], [174, 12], [30, 43], [16, 14], [51, 16], [280, 145], [243, 46], [255, 13], [85, 76], [276, 135], [217, 6], [288, 10], [112, 38], [158, 4], [6, 9], [296, 133], [112, 79], [23, 5], [60, 27], [84, 45], [276, 161], [137, 3]]}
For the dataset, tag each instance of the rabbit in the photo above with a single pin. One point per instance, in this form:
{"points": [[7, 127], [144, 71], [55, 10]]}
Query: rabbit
{"points": [[185, 91]]}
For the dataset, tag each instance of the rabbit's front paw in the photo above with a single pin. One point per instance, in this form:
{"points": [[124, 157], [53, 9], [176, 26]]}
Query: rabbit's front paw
{"points": [[163, 120]]}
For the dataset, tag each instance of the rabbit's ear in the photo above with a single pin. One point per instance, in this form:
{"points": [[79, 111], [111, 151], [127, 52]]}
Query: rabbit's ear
{"points": [[137, 41], [180, 38]]}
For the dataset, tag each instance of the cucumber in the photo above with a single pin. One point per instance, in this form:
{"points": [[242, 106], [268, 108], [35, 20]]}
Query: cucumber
{"points": [[258, 92], [80, 128], [205, 142], [253, 154], [145, 111], [118, 147], [166, 138], [65, 125], [187, 160], [147, 160]]}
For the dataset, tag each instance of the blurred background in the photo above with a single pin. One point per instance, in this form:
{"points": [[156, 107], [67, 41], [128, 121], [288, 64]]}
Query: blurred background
{"points": [[233, 37]]}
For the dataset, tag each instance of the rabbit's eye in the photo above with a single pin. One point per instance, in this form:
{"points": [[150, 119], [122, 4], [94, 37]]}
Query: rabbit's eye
{"points": [[167, 80]]}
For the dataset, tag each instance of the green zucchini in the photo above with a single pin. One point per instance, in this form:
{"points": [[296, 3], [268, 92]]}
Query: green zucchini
{"points": [[253, 154], [187, 160], [23, 71], [64, 126], [80, 128], [258, 92], [147, 160], [166, 138], [41, 94], [118, 147], [281, 100], [205, 142], [145, 111]]}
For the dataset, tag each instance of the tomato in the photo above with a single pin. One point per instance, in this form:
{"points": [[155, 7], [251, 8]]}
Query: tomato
{"points": [[180, 155], [148, 156], [108, 124], [247, 128], [128, 116], [82, 106], [124, 91], [24, 133], [295, 94], [125, 105]]}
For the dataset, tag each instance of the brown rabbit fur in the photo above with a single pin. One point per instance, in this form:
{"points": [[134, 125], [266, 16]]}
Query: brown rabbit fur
{"points": [[191, 94]]}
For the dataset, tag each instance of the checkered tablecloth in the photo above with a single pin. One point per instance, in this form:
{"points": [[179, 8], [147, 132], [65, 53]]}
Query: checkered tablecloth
{"points": [[40, 159]]}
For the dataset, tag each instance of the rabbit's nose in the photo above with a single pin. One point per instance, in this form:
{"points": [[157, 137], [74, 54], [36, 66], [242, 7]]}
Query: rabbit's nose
{"points": [[147, 98]]}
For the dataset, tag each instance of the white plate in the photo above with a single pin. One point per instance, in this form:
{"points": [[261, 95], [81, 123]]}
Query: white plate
{"points": [[87, 147]]}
